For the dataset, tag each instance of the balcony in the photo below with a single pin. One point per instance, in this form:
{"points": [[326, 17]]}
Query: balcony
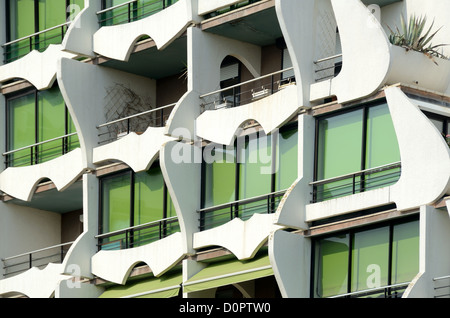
{"points": [[17, 264], [138, 235], [327, 68], [227, 9], [246, 92], [442, 287], [244, 209], [137, 123], [41, 151], [357, 182], [390, 291], [131, 11], [40, 41]]}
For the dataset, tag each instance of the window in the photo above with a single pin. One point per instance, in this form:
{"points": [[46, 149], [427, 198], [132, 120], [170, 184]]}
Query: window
{"points": [[365, 259], [26, 17], [256, 166], [131, 199], [130, 11], [442, 124], [353, 141], [34, 117]]}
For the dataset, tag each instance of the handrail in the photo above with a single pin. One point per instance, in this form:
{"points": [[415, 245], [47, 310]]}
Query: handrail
{"points": [[37, 251], [327, 58], [39, 143], [372, 290], [135, 115], [136, 227], [349, 175], [37, 33], [246, 82], [442, 277], [241, 201], [115, 7]]}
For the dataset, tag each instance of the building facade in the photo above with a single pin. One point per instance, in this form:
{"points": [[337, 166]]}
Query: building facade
{"points": [[223, 149]]}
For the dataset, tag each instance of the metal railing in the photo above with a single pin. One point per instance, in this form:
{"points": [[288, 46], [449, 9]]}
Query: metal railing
{"points": [[359, 182], [442, 287], [39, 258], [230, 8], [18, 48], [137, 123], [131, 11], [328, 67], [138, 235], [246, 92], [38, 155], [389, 291], [244, 209]]}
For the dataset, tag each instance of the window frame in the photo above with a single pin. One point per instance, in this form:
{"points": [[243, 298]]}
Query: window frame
{"points": [[132, 175], [351, 234], [364, 147], [8, 125]]}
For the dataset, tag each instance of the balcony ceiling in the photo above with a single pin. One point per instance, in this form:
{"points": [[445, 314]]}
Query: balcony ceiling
{"points": [[259, 28], [154, 63]]}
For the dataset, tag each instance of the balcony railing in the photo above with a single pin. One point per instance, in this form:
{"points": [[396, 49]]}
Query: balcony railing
{"points": [[137, 123], [131, 11], [40, 41], [389, 291], [230, 8], [246, 92], [442, 287], [356, 182], [35, 154], [15, 265], [244, 209], [138, 235], [328, 67]]}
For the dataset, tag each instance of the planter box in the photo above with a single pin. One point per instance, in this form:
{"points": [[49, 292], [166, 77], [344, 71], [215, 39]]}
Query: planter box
{"points": [[417, 69]]}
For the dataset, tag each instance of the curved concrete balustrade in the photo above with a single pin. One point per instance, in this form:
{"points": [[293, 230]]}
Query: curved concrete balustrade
{"points": [[35, 283], [163, 27], [248, 236], [160, 256], [425, 158], [37, 68], [220, 126], [63, 171], [137, 151]]}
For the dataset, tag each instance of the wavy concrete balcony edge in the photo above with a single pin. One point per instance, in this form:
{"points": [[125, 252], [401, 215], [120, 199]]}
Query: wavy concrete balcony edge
{"points": [[35, 283], [220, 126], [248, 236], [163, 27], [37, 68], [137, 151], [160, 256], [63, 171]]}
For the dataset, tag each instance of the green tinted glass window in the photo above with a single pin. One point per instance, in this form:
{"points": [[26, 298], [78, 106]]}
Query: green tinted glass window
{"points": [[370, 259], [148, 196], [331, 272], [286, 166], [116, 202], [405, 250], [21, 128], [51, 123]]}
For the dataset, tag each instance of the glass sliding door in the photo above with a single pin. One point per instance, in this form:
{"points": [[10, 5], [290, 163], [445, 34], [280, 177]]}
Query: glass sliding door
{"points": [[366, 262], [21, 24], [286, 165], [381, 147], [339, 152], [51, 123], [21, 129]]}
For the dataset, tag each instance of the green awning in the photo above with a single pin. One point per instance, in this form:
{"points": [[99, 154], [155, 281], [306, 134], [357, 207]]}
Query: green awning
{"points": [[229, 272], [165, 286]]}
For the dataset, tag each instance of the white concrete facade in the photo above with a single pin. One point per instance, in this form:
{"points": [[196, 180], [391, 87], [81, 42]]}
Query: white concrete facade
{"points": [[93, 60]]}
